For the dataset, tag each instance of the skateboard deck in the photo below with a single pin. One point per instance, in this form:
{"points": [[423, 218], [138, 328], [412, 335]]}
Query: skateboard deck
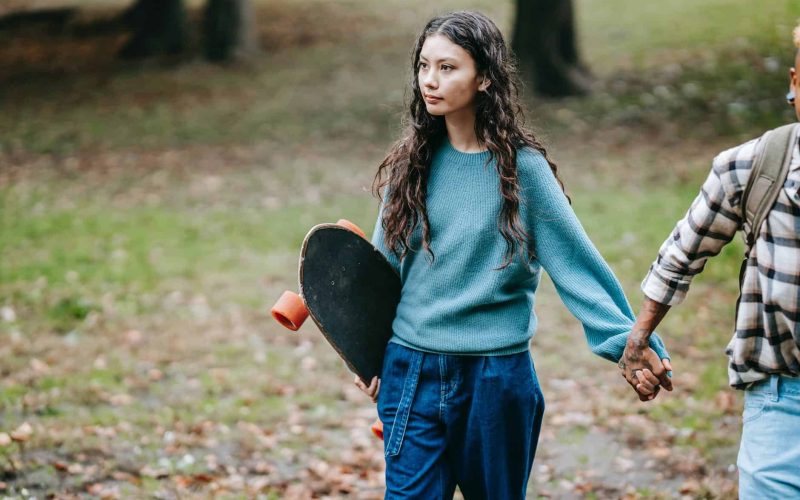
{"points": [[350, 291]]}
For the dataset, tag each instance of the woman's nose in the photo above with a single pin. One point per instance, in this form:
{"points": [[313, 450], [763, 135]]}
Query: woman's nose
{"points": [[429, 81]]}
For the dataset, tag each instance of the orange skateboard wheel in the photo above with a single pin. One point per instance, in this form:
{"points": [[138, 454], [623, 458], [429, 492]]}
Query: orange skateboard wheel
{"points": [[377, 429], [352, 227], [290, 310]]}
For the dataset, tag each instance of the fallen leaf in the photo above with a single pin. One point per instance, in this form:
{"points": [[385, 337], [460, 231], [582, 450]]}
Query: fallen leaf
{"points": [[690, 486], [39, 366], [111, 493], [203, 478], [133, 337], [7, 314], [624, 464], [124, 476], [121, 399], [22, 433], [259, 483], [149, 471], [660, 452], [94, 489]]}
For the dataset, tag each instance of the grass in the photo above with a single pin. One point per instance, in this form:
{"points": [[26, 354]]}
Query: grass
{"points": [[151, 214], [617, 35], [83, 253]]}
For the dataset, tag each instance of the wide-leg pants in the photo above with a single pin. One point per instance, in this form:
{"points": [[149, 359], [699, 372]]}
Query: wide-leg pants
{"points": [[471, 421]]}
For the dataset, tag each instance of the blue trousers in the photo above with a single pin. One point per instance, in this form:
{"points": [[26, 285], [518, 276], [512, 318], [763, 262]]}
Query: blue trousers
{"points": [[769, 455], [471, 421]]}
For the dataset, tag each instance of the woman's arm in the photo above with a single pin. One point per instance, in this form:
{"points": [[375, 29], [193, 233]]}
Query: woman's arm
{"points": [[584, 281]]}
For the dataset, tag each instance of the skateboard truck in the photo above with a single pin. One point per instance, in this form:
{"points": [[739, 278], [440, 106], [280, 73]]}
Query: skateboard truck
{"points": [[291, 312]]}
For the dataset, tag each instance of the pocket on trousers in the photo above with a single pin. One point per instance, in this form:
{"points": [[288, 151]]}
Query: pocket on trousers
{"points": [[400, 377], [754, 405], [537, 389]]}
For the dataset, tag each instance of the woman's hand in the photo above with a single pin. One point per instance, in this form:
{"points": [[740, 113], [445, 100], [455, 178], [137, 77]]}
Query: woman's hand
{"points": [[372, 390]]}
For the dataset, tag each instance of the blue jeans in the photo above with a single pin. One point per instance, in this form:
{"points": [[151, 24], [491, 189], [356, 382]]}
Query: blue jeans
{"points": [[769, 456], [471, 421]]}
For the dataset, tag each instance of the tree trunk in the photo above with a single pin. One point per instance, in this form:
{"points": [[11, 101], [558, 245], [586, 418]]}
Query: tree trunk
{"points": [[159, 27], [229, 30], [545, 45]]}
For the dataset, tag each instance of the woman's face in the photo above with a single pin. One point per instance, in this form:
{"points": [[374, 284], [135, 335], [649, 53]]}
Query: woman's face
{"points": [[447, 77]]}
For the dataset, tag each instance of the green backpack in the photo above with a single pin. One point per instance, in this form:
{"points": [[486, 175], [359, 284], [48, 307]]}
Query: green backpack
{"points": [[770, 168]]}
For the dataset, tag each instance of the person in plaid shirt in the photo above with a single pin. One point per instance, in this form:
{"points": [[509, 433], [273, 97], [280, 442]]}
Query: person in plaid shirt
{"points": [[764, 352]]}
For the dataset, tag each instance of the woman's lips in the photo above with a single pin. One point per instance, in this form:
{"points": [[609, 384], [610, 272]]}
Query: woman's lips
{"points": [[432, 99]]}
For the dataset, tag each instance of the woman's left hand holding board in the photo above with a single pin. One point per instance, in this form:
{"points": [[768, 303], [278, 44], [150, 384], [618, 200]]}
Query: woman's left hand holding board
{"points": [[372, 390]]}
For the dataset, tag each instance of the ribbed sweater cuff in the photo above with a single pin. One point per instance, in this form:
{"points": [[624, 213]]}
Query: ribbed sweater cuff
{"points": [[613, 347]]}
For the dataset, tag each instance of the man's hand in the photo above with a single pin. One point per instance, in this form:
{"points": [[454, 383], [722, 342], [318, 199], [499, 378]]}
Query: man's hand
{"points": [[640, 364], [643, 370], [371, 391]]}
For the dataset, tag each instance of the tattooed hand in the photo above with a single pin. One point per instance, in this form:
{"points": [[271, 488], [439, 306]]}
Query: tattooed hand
{"points": [[643, 369], [640, 365]]}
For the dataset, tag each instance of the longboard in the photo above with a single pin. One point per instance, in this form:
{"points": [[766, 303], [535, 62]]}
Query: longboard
{"points": [[350, 291]]}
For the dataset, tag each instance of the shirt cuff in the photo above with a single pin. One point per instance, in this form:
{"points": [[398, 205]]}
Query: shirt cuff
{"points": [[613, 347], [662, 288]]}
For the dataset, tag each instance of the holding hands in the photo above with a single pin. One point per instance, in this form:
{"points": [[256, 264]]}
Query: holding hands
{"points": [[643, 370], [640, 365]]}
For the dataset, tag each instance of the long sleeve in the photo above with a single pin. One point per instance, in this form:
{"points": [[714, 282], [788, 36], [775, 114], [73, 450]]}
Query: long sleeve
{"points": [[583, 280], [378, 242], [709, 224]]}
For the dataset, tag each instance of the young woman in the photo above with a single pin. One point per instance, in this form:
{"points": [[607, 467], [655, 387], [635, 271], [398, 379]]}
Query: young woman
{"points": [[472, 211]]}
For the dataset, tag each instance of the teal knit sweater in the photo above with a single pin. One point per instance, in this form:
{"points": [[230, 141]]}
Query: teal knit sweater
{"points": [[462, 303]]}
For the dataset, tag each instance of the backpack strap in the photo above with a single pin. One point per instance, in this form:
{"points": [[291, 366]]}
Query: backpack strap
{"points": [[770, 168]]}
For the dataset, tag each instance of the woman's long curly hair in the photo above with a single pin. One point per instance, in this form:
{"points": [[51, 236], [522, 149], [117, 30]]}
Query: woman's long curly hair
{"points": [[498, 127]]}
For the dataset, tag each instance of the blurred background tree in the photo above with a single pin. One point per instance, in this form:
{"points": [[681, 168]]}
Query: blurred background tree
{"points": [[229, 29], [159, 27], [546, 47]]}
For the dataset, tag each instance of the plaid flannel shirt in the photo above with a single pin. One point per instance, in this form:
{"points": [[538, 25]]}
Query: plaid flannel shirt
{"points": [[766, 339]]}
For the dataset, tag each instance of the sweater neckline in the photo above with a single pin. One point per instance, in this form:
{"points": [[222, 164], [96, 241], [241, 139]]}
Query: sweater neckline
{"points": [[452, 155]]}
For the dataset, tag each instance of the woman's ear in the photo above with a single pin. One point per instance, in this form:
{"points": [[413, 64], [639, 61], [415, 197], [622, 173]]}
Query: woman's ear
{"points": [[484, 85]]}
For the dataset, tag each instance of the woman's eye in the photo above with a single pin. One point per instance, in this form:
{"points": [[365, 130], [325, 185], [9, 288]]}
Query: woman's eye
{"points": [[423, 65], [446, 67]]}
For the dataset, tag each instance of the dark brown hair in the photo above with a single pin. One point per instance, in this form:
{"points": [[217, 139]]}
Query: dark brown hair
{"points": [[498, 126]]}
